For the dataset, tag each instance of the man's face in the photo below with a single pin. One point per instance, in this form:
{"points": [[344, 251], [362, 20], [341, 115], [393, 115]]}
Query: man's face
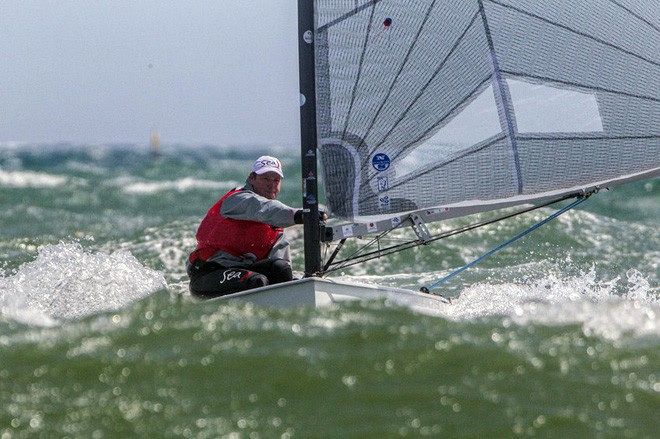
{"points": [[267, 185]]}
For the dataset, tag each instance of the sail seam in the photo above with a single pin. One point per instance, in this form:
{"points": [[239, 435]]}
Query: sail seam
{"points": [[449, 161], [582, 34], [450, 113], [398, 74], [575, 84], [587, 137], [502, 93], [441, 121], [639, 17], [423, 89], [359, 74], [520, 137], [348, 15]]}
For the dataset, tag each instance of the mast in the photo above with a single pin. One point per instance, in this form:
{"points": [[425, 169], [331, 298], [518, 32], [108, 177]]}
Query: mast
{"points": [[308, 137]]}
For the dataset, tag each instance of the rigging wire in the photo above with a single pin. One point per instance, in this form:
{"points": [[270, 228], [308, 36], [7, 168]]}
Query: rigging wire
{"points": [[504, 244], [361, 255]]}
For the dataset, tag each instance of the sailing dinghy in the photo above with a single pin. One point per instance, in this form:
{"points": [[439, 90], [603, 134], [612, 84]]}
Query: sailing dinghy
{"points": [[424, 110]]}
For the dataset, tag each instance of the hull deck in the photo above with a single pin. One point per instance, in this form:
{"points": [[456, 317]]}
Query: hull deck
{"points": [[317, 292]]}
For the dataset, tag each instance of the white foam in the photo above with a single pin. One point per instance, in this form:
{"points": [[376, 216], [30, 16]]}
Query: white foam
{"points": [[612, 309], [581, 300], [181, 185], [65, 282], [23, 179]]}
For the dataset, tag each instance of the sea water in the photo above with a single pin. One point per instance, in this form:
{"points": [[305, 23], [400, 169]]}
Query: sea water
{"points": [[556, 335]]}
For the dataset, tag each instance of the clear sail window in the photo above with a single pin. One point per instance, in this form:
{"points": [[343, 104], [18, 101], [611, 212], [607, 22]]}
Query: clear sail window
{"points": [[477, 122], [550, 109]]}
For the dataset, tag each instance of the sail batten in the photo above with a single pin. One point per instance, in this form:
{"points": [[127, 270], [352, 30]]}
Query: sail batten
{"points": [[425, 103]]}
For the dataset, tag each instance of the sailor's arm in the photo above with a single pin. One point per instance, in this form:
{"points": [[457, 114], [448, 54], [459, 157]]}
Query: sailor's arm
{"points": [[246, 205]]}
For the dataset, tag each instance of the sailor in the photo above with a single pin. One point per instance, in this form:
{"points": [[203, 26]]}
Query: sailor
{"points": [[240, 241]]}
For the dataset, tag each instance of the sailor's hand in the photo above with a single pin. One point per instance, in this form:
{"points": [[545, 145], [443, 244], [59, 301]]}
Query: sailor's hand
{"points": [[298, 216]]}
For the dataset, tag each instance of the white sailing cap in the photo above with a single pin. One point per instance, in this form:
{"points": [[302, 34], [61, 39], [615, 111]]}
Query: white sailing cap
{"points": [[266, 163]]}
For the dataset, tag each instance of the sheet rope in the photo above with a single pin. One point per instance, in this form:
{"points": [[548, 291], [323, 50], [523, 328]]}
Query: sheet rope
{"points": [[578, 201]]}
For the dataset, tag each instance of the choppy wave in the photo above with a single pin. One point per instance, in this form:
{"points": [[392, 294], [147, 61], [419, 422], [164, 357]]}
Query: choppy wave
{"points": [[555, 336], [30, 179], [180, 185], [555, 300], [65, 281]]}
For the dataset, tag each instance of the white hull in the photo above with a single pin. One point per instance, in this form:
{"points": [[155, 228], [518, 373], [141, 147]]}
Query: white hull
{"points": [[317, 292]]}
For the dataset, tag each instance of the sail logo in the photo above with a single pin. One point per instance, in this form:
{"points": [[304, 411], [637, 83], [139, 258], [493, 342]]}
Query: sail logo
{"points": [[381, 162], [384, 202], [347, 230], [383, 184]]}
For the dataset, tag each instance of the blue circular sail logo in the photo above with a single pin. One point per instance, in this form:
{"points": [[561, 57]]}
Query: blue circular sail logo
{"points": [[381, 162]]}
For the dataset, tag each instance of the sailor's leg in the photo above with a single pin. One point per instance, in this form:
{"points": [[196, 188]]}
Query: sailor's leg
{"points": [[276, 270], [213, 280]]}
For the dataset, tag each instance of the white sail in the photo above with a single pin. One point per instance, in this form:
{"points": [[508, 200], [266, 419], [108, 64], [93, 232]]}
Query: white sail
{"points": [[431, 109], [477, 104]]}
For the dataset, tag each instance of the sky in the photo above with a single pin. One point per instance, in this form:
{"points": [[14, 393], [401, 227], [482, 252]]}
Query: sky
{"points": [[220, 72]]}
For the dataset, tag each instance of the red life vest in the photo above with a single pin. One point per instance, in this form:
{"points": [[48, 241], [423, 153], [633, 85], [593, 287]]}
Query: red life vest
{"points": [[236, 237]]}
